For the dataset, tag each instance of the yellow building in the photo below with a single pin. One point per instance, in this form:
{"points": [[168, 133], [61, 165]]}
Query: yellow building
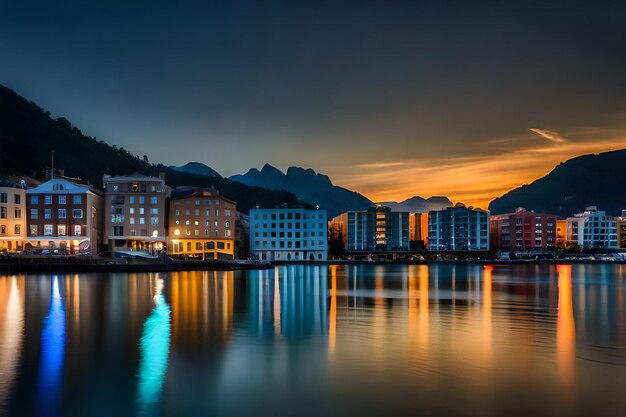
{"points": [[561, 232], [12, 219], [201, 225]]}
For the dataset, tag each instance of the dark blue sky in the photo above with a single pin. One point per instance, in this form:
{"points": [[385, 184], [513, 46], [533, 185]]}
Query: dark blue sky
{"points": [[348, 88]]}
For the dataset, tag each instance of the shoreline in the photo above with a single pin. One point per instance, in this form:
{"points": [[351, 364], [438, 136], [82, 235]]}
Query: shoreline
{"points": [[55, 264]]}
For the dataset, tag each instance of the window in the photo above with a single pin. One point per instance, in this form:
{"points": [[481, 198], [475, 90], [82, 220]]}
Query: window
{"points": [[142, 220], [18, 213], [3, 197], [227, 213], [3, 212], [131, 210], [34, 230], [220, 245], [207, 212], [141, 199], [154, 210], [77, 213], [227, 224], [47, 199], [154, 221], [47, 214], [131, 220], [47, 230], [197, 202], [3, 229], [34, 214], [61, 230], [34, 199], [217, 202], [62, 199], [153, 200], [177, 213], [18, 199], [18, 229], [217, 211], [77, 199], [131, 199], [77, 230], [62, 214], [227, 233]]}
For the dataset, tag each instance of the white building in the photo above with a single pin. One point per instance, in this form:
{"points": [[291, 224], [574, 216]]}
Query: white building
{"points": [[592, 229], [289, 234]]}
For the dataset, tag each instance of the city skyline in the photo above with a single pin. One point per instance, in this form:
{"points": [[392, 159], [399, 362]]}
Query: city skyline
{"points": [[392, 101]]}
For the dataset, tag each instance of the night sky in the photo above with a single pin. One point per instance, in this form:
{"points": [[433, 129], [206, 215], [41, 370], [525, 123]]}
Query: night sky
{"points": [[393, 99]]}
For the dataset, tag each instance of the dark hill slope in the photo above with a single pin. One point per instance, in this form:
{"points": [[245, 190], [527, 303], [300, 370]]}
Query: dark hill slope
{"points": [[587, 180], [28, 135]]}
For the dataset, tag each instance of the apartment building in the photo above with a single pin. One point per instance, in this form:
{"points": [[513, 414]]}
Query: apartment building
{"points": [[64, 217], [201, 224], [12, 217], [135, 217], [592, 228], [523, 230], [289, 234], [458, 228]]}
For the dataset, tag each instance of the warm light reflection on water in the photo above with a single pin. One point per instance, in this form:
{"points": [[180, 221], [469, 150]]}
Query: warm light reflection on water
{"points": [[356, 339]]}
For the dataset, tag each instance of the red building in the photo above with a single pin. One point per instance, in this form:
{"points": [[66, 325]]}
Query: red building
{"points": [[523, 231]]}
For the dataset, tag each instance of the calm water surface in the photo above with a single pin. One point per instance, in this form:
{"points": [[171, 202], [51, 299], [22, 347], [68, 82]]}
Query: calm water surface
{"points": [[314, 340]]}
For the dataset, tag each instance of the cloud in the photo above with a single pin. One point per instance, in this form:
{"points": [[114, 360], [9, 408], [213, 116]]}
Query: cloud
{"points": [[376, 165], [548, 134]]}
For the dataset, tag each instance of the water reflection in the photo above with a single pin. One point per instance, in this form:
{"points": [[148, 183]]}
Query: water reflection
{"points": [[11, 333], [566, 328], [154, 350], [52, 355]]}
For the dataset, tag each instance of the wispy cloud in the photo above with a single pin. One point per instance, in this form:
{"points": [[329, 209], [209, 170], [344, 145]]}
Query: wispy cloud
{"points": [[550, 135], [377, 165]]}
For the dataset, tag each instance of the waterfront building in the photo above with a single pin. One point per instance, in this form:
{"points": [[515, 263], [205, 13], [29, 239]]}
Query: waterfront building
{"points": [[621, 230], [64, 216], [12, 217], [523, 231], [418, 231], [561, 233], [458, 228], [592, 228], [289, 234], [375, 229], [135, 215], [201, 224]]}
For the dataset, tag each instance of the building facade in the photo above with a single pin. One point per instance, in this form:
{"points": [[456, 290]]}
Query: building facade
{"points": [[458, 228], [64, 217], [592, 229], [375, 229], [12, 218], [288, 234], [135, 215], [621, 230], [523, 231], [201, 225]]}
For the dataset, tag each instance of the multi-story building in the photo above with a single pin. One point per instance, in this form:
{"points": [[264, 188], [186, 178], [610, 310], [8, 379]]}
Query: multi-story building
{"points": [[201, 224], [523, 231], [561, 233], [289, 234], [592, 229], [418, 231], [12, 217], [375, 229], [458, 228], [135, 215], [64, 217], [621, 230]]}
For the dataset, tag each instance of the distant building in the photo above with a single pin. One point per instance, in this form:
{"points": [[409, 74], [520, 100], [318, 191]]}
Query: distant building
{"points": [[12, 217], [523, 231], [242, 236], [458, 228], [592, 229], [418, 231], [135, 215], [201, 224], [289, 234], [64, 217], [375, 229]]}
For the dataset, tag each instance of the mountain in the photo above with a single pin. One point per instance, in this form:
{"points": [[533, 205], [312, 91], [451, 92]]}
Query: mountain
{"points": [[419, 205], [28, 135], [588, 180], [197, 168], [309, 186]]}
